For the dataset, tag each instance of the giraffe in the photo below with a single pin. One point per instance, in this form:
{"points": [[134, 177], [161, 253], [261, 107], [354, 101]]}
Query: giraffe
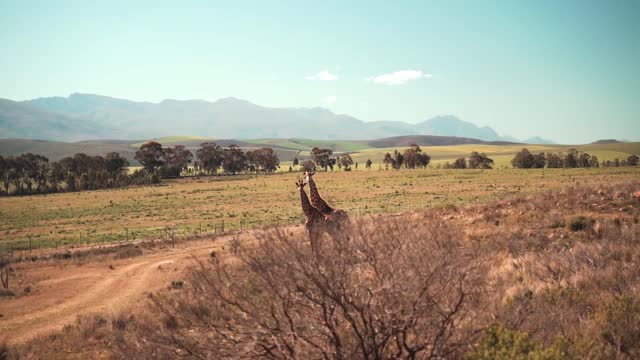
{"points": [[335, 216], [315, 223], [316, 200]]}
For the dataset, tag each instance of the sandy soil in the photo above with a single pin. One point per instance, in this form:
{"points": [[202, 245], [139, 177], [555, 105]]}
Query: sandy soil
{"points": [[64, 290]]}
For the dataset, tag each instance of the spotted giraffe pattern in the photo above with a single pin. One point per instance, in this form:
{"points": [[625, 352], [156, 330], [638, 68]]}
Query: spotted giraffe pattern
{"points": [[316, 200], [315, 220]]}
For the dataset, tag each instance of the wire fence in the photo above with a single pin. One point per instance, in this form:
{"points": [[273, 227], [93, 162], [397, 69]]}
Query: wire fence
{"points": [[202, 229]]}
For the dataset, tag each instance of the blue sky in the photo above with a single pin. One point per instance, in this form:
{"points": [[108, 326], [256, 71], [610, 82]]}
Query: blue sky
{"points": [[564, 70]]}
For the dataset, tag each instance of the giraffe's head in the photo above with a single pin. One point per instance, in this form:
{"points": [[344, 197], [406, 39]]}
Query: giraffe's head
{"points": [[309, 174], [300, 184]]}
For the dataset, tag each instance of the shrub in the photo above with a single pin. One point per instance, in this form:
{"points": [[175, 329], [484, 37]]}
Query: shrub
{"points": [[366, 293], [177, 284], [499, 343], [580, 223], [120, 321], [620, 327]]}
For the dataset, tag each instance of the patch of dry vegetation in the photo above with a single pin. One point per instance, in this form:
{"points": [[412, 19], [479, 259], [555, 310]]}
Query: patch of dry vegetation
{"points": [[547, 276]]}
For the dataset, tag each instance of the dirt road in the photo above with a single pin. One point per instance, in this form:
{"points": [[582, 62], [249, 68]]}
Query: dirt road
{"points": [[62, 291]]}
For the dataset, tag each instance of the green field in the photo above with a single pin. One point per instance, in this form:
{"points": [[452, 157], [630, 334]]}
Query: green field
{"points": [[502, 154], [203, 204], [171, 140]]}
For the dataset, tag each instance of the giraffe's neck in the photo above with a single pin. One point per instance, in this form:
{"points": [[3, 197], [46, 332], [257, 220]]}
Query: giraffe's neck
{"points": [[313, 190], [316, 200], [309, 211]]}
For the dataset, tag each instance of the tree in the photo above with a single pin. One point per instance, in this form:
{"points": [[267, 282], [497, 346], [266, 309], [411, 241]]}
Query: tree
{"points": [[593, 162], [114, 164], [151, 156], [523, 159], [34, 170], [480, 161], [177, 159], [322, 158], [388, 160], [17, 175], [55, 176], [633, 160], [308, 165], [399, 159], [371, 297], [6, 258], [554, 161], [211, 156], [585, 160], [295, 161], [571, 159], [539, 161], [264, 159], [345, 161], [234, 161], [460, 163], [368, 164], [414, 157], [5, 168]]}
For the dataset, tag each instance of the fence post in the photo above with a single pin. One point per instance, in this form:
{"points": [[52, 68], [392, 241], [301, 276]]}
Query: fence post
{"points": [[222, 226], [30, 236]]}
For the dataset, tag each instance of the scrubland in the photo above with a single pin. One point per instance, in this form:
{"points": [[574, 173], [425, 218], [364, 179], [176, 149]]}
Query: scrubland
{"points": [[550, 272]]}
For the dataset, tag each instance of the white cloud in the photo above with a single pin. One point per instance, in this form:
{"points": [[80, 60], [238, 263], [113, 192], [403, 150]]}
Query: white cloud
{"points": [[331, 99], [399, 77], [323, 75]]}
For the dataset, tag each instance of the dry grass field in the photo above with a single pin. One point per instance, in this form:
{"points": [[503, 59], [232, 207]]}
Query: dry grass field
{"points": [[202, 205], [546, 269]]}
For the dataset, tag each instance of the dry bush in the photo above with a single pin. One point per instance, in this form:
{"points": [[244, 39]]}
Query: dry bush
{"points": [[391, 289], [571, 285], [5, 351], [6, 258]]}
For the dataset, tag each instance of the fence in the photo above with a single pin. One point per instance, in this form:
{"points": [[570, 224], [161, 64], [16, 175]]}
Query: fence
{"points": [[178, 231]]}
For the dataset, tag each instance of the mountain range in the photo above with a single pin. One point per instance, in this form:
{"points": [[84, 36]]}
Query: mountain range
{"points": [[87, 116]]}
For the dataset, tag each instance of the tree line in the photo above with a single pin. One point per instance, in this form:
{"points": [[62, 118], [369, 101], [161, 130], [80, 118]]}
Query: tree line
{"points": [[210, 159], [35, 174], [524, 159]]}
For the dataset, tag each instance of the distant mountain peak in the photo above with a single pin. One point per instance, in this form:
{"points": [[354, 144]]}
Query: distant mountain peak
{"points": [[450, 125], [234, 100], [537, 140], [102, 117]]}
